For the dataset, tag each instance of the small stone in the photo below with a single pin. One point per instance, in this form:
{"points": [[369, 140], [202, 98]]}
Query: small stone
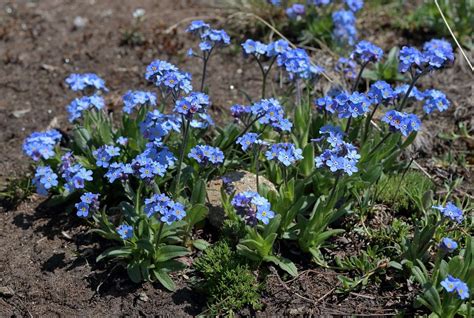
{"points": [[6, 292], [80, 22], [143, 297]]}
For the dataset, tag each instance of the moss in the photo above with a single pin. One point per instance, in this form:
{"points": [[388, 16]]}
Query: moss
{"points": [[398, 191], [228, 281]]}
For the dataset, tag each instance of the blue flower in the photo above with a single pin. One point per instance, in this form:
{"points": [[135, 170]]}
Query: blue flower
{"points": [[256, 48], [133, 98], [450, 211], [319, 2], [197, 26], [448, 244], [123, 141], [365, 52], [340, 156], [74, 174], [295, 11], [251, 206], [193, 103], [41, 144], [402, 122], [204, 122], [381, 91], [104, 154], [156, 125], [125, 231], [347, 67], [79, 82], [270, 112], [410, 57], [205, 155], [345, 31], [168, 77], [401, 91], [78, 105], [89, 203], [247, 140], [277, 47], [354, 5], [353, 105], [452, 284], [82, 209], [168, 210], [435, 100], [326, 103], [285, 153], [239, 111], [44, 179], [118, 171], [298, 64], [438, 53]]}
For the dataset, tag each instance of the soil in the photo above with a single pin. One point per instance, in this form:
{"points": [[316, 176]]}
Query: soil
{"points": [[47, 258]]}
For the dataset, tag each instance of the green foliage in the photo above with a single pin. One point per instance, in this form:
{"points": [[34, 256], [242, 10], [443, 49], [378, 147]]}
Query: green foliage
{"points": [[16, 191], [426, 17], [227, 280], [387, 70], [403, 192]]}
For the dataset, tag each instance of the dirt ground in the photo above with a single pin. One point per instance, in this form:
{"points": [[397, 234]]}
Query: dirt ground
{"points": [[47, 259]]}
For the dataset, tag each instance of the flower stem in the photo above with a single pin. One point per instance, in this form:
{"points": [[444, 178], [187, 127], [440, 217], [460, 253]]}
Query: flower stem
{"points": [[205, 59], [367, 122], [359, 76], [177, 190], [410, 88], [380, 143]]}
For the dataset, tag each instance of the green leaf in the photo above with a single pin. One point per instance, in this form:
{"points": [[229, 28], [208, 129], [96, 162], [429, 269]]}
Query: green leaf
{"points": [[134, 272], [307, 164], [82, 138], [196, 214], [284, 263], [146, 245], [395, 265], [168, 252], [199, 192], [201, 244], [115, 252], [164, 279]]}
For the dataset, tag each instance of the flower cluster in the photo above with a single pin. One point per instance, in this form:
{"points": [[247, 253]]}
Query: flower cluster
{"points": [[270, 112], [403, 122], [89, 203], [44, 179], [344, 27], [450, 211], [354, 5], [252, 207], [346, 105], [435, 100], [258, 48], [285, 153], [75, 176], [78, 105], [104, 154], [340, 156], [192, 104], [79, 82], [295, 11], [365, 52], [249, 139], [298, 64], [415, 93], [125, 231], [168, 210], [210, 38], [41, 144], [118, 170], [168, 77], [347, 67], [381, 92], [206, 155], [436, 54], [452, 284], [133, 98], [150, 163], [156, 125]]}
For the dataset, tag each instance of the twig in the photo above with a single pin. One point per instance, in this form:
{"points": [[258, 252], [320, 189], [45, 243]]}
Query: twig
{"points": [[452, 34], [202, 17]]}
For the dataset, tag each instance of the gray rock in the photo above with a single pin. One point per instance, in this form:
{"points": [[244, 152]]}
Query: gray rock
{"points": [[241, 181]]}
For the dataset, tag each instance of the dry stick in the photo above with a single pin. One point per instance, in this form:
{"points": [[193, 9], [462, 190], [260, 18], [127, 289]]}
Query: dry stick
{"points": [[452, 34]]}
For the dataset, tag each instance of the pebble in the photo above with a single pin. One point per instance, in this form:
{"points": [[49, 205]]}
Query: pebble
{"points": [[6, 292]]}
